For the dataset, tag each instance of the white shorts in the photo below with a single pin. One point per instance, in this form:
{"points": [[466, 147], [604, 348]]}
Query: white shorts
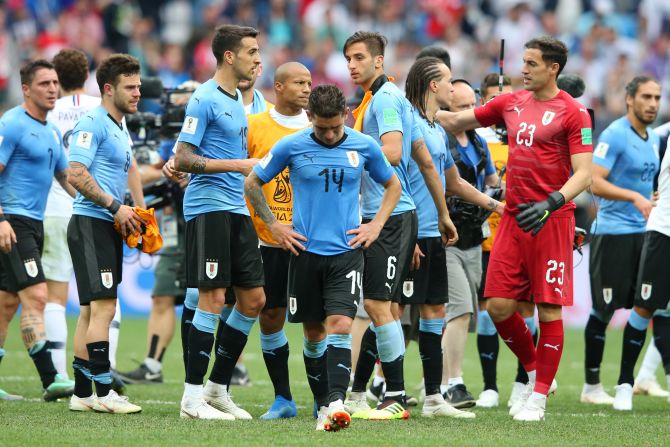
{"points": [[56, 260]]}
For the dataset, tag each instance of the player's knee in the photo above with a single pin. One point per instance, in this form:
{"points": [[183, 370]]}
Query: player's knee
{"points": [[162, 304], [498, 311], [643, 312], [272, 320], [34, 299], [378, 310], [339, 325], [314, 331]]}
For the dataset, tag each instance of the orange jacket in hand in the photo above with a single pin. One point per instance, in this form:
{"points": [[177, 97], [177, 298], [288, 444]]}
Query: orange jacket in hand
{"points": [[150, 240]]}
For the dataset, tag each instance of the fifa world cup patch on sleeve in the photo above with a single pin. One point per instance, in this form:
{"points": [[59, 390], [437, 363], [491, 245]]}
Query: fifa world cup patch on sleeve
{"points": [[84, 139], [601, 150], [587, 136], [190, 125], [391, 117]]}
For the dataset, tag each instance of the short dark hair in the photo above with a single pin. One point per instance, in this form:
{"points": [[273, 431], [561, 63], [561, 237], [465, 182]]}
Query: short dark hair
{"points": [[553, 50], [114, 66], [491, 80], [436, 51], [374, 42], [28, 70], [229, 38], [72, 68], [423, 71], [634, 85], [326, 101]]}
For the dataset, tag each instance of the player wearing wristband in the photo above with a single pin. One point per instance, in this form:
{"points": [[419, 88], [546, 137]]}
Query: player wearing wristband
{"points": [[549, 135], [102, 167], [31, 154]]}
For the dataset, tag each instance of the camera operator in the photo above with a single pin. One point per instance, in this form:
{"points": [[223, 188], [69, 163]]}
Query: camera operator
{"points": [[169, 287], [464, 263]]}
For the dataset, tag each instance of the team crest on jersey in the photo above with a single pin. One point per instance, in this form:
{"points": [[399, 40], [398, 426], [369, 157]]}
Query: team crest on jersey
{"points": [[211, 268], [107, 278], [352, 156], [292, 305], [31, 267], [408, 288], [645, 291], [601, 150], [548, 117], [190, 125], [84, 139], [607, 295]]}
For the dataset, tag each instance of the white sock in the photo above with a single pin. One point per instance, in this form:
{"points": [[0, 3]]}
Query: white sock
{"points": [[55, 326], [531, 376], [377, 381], [153, 365], [114, 328], [453, 381], [537, 396], [215, 388], [652, 358], [193, 391], [444, 388]]}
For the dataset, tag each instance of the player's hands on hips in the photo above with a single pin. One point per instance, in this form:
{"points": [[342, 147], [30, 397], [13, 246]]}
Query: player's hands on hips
{"points": [[287, 238], [128, 220], [416, 258], [447, 230], [7, 237], [643, 205], [247, 165], [533, 216], [365, 234]]}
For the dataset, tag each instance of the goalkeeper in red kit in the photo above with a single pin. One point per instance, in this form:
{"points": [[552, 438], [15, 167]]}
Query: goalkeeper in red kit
{"points": [[549, 164]]}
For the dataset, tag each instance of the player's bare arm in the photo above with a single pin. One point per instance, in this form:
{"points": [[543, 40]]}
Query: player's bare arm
{"points": [[129, 222], [392, 147], [457, 122], [135, 185], [581, 175], [425, 163], [7, 235], [608, 190], [367, 233], [61, 178], [287, 238], [186, 160], [463, 189]]}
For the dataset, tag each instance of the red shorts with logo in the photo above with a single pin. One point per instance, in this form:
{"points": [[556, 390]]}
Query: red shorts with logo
{"points": [[532, 268]]}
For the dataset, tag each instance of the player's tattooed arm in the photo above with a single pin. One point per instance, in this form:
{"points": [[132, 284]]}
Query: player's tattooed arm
{"points": [[61, 178], [83, 182], [186, 160], [254, 192]]}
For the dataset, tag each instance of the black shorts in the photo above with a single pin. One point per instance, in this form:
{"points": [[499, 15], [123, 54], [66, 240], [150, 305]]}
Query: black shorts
{"points": [[653, 281], [97, 257], [485, 265], [319, 286], [222, 251], [169, 269], [388, 259], [428, 285], [275, 268], [22, 266], [613, 266]]}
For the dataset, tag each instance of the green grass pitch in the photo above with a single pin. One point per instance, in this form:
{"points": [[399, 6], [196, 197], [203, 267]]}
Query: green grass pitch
{"points": [[36, 423]]}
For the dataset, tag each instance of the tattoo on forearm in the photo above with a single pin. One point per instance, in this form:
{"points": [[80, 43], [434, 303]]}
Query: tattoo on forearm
{"points": [[83, 182], [188, 160], [257, 199]]}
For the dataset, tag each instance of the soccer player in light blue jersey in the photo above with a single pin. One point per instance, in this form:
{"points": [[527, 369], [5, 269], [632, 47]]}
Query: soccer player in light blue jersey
{"points": [[386, 115], [222, 243], [31, 154], [625, 163], [102, 168], [428, 88], [326, 165]]}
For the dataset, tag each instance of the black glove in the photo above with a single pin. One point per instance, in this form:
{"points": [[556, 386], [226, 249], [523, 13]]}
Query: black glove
{"points": [[533, 216]]}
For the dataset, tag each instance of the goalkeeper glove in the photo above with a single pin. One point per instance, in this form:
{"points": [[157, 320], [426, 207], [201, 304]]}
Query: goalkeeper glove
{"points": [[533, 216]]}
